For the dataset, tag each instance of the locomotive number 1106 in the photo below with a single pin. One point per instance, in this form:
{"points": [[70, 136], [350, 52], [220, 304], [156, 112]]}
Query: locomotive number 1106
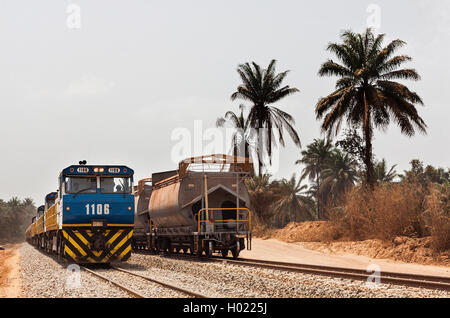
{"points": [[97, 209]]}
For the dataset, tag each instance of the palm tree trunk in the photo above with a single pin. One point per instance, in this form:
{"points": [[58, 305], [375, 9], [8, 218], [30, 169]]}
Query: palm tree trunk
{"points": [[367, 131], [318, 198], [260, 165], [260, 146]]}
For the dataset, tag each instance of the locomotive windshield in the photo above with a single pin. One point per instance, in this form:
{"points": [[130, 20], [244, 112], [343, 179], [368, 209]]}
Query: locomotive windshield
{"points": [[115, 185], [77, 185]]}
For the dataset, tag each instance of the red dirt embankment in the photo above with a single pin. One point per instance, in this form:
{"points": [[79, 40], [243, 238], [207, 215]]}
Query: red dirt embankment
{"points": [[10, 279], [321, 236]]}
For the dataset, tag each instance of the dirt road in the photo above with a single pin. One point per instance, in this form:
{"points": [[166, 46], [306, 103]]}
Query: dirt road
{"points": [[10, 278], [276, 250]]}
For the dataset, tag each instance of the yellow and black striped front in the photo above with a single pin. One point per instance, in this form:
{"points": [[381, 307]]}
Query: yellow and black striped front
{"points": [[90, 245]]}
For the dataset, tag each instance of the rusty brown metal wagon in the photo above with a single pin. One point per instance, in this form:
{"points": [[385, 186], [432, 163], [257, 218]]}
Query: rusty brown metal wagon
{"points": [[203, 207]]}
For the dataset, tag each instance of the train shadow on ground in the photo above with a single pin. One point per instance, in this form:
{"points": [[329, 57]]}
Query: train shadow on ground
{"points": [[177, 256]]}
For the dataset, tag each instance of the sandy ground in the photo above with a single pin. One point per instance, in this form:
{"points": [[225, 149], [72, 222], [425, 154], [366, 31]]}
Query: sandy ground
{"points": [[10, 279], [275, 250]]}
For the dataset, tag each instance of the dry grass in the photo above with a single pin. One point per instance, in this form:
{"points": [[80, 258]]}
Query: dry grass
{"points": [[401, 221], [395, 210], [437, 205]]}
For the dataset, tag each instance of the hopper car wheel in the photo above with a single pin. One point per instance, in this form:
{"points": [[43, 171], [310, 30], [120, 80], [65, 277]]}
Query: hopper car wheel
{"points": [[208, 252], [185, 250], [224, 252], [235, 252], [199, 250]]}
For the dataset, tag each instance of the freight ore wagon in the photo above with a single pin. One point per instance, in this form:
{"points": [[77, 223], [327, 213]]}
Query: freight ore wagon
{"points": [[201, 208]]}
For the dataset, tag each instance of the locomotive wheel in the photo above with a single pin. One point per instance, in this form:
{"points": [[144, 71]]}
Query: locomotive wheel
{"points": [[49, 245], [61, 251], [225, 252]]}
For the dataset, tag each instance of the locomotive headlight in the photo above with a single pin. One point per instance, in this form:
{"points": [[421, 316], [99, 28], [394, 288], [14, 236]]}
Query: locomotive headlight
{"points": [[101, 169], [67, 208], [95, 169], [129, 208]]}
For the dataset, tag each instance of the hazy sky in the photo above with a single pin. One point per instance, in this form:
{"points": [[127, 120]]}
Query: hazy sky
{"points": [[114, 90]]}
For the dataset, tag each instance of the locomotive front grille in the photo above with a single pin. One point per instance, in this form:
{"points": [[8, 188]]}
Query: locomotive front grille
{"points": [[92, 246]]}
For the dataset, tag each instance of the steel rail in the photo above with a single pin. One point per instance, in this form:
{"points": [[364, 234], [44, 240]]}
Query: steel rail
{"points": [[132, 292], [182, 290], [423, 281], [414, 280]]}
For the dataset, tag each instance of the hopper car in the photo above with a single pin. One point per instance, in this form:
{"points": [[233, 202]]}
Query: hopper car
{"points": [[201, 208]]}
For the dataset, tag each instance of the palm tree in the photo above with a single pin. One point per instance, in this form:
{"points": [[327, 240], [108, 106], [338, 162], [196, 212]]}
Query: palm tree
{"points": [[294, 204], [263, 87], [382, 175], [367, 94], [262, 194], [240, 139], [339, 175], [314, 159], [419, 174]]}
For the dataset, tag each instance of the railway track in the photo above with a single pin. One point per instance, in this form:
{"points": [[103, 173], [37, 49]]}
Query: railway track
{"points": [[423, 281], [413, 280], [135, 293]]}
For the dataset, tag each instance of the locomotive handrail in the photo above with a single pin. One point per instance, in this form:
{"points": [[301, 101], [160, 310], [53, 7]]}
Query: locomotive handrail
{"points": [[211, 220]]}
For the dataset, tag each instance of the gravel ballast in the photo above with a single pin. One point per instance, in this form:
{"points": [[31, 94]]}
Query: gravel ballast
{"points": [[227, 280], [45, 276]]}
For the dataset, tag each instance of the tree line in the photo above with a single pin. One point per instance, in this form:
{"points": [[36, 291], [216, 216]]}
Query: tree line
{"points": [[15, 216]]}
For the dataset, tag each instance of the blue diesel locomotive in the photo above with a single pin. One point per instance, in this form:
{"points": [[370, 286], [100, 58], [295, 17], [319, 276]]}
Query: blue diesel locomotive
{"points": [[91, 217]]}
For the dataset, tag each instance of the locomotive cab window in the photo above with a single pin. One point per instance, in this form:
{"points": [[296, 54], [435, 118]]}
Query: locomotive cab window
{"points": [[115, 185], [75, 185], [50, 202]]}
